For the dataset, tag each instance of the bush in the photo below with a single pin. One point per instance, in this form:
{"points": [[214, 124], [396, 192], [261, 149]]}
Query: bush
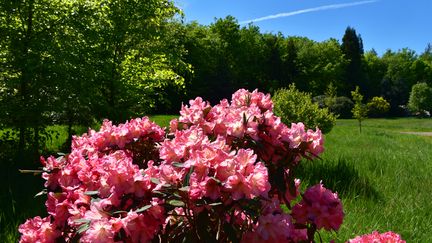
{"points": [[341, 106], [420, 100], [294, 106], [378, 106], [220, 174]]}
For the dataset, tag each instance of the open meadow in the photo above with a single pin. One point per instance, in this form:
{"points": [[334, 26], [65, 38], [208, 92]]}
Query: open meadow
{"points": [[382, 176]]}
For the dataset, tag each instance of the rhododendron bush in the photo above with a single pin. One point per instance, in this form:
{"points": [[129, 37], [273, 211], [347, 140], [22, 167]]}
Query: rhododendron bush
{"points": [[218, 173]]}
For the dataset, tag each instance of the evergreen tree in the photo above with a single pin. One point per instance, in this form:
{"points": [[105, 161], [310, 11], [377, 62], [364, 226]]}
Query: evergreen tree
{"points": [[352, 47]]}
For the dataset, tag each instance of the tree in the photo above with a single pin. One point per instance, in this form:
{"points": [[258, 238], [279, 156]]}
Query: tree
{"points": [[399, 78], [420, 100], [133, 53], [360, 110], [320, 63], [375, 70], [352, 47], [29, 69]]}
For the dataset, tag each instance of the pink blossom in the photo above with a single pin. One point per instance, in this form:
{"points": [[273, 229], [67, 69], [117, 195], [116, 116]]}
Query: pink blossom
{"points": [[100, 231], [141, 228], [316, 141], [38, 230], [274, 228], [388, 237], [321, 207]]}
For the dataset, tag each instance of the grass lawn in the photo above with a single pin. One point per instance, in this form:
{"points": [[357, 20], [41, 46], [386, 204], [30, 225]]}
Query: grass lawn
{"points": [[382, 176]]}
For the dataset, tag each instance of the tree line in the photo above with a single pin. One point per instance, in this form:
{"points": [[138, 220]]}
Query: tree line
{"points": [[225, 56], [73, 62]]}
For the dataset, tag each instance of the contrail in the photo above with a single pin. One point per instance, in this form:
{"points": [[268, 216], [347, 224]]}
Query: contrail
{"points": [[308, 10]]}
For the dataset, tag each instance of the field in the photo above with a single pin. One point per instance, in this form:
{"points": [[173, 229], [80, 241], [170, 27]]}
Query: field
{"points": [[382, 176]]}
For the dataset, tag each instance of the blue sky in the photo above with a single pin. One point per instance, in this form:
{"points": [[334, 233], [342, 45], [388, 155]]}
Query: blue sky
{"points": [[383, 24]]}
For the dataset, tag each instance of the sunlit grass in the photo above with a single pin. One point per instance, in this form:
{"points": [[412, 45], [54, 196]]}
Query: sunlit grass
{"points": [[163, 120], [382, 176]]}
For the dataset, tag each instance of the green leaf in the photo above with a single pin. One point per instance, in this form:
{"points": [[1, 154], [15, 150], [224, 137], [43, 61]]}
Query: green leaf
{"points": [[118, 212], [159, 193], [178, 164], [140, 210], [91, 193], [83, 228], [184, 189], [215, 204], [166, 185], [80, 221], [176, 203], [155, 180], [187, 177]]}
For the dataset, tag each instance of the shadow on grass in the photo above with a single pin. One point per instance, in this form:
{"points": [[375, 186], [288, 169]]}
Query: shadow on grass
{"points": [[338, 176]]}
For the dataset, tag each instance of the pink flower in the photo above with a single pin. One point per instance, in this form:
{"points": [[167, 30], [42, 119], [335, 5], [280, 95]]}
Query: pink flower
{"points": [[321, 207], [316, 141], [141, 228], [274, 228], [38, 230], [258, 180], [388, 237], [100, 231]]}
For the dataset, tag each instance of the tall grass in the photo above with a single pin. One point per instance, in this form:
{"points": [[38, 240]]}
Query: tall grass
{"points": [[382, 176]]}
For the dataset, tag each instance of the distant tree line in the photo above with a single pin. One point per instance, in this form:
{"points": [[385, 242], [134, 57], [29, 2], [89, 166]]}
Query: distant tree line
{"points": [[225, 57], [74, 62]]}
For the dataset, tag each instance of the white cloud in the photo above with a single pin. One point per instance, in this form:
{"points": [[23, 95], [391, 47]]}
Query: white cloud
{"points": [[308, 10]]}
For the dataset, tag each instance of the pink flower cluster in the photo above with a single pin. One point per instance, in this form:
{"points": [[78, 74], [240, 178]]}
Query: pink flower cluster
{"points": [[219, 169], [388, 237], [274, 225], [321, 207], [215, 171], [249, 122], [98, 178]]}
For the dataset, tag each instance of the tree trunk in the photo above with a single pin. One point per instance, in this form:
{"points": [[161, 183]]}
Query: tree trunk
{"points": [[25, 77]]}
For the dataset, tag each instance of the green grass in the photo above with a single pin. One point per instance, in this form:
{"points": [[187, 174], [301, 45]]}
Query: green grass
{"points": [[382, 176], [163, 120]]}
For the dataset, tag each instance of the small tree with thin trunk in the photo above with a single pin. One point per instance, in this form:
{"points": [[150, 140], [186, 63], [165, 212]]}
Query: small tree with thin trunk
{"points": [[360, 110]]}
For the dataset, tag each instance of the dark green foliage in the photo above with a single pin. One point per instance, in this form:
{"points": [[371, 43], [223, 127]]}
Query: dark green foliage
{"points": [[352, 47], [295, 106], [342, 107]]}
